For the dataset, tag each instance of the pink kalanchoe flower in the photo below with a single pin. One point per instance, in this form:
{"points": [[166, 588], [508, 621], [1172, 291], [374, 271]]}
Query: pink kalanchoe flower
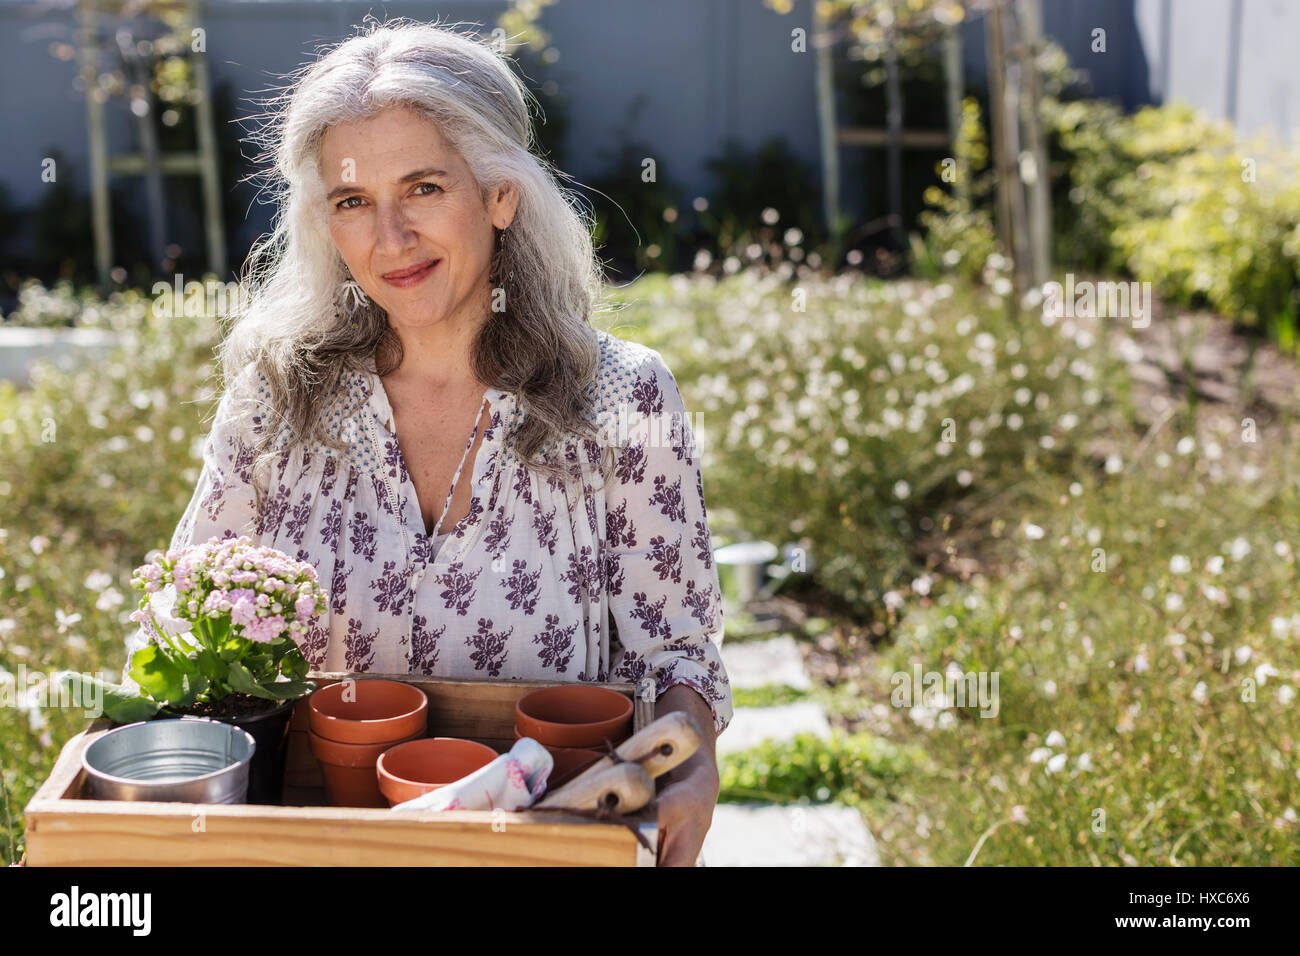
{"points": [[243, 610], [264, 630], [305, 607], [215, 603]]}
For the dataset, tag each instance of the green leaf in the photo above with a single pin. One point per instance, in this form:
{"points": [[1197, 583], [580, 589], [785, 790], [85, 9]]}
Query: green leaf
{"points": [[289, 689], [129, 710], [242, 681], [279, 647], [118, 702], [294, 664], [211, 665], [159, 674], [195, 685]]}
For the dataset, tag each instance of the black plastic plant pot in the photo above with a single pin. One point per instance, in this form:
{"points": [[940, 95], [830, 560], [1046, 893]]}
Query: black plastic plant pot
{"points": [[266, 770]]}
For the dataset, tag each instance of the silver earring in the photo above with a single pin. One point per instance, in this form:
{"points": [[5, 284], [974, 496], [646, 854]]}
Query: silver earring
{"points": [[496, 261], [352, 291]]}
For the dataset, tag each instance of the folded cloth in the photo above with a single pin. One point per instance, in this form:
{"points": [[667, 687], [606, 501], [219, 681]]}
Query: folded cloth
{"points": [[513, 781]]}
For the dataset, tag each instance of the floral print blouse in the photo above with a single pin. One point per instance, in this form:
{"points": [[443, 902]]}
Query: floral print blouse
{"points": [[543, 579]]}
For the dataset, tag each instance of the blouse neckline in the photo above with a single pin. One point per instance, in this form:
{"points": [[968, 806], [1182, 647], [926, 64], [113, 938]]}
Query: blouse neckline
{"points": [[420, 546]]}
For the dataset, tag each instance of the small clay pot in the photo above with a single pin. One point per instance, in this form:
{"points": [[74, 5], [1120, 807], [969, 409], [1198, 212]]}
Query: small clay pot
{"points": [[369, 711], [569, 762], [574, 715], [420, 766], [349, 769]]}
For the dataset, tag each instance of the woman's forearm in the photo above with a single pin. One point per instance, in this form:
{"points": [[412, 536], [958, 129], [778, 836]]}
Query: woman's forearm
{"points": [[704, 761]]}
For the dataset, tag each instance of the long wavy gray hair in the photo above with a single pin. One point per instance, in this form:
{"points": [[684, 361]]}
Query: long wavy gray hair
{"points": [[291, 326]]}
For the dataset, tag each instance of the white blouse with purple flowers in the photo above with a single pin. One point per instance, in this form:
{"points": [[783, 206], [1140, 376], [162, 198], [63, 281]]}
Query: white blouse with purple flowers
{"points": [[543, 579]]}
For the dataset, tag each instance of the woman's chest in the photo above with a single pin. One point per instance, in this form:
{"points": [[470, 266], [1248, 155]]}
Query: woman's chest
{"points": [[432, 459]]}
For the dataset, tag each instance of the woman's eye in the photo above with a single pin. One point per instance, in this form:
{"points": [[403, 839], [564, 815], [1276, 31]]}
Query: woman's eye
{"points": [[342, 204], [430, 185]]}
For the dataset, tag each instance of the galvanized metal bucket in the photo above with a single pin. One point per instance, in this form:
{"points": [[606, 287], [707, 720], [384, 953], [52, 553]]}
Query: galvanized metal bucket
{"points": [[742, 568], [185, 759]]}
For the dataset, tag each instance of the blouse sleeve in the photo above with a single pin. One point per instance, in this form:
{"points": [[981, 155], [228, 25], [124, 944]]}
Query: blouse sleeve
{"points": [[221, 506], [661, 582]]}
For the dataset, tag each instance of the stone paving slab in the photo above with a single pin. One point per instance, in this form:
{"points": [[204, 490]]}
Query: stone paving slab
{"points": [[763, 834], [775, 660], [766, 835], [750, 726]]}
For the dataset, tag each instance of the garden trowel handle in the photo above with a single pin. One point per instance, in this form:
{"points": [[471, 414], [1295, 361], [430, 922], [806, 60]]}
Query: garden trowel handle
{"points": [[669, 741], [624, 787]]}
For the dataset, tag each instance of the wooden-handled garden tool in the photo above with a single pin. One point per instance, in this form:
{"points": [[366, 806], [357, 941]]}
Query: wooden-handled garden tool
{"points": [[627, 785]]}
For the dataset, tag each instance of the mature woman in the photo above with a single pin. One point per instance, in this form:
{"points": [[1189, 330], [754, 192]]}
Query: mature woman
{"points": [[418, 405]]}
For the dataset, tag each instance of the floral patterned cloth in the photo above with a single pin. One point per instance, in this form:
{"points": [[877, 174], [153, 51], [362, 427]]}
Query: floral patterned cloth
{"points": [[543, 579]]}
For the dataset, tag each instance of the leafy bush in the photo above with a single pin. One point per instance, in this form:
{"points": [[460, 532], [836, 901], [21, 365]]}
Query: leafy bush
{"points": [[855, 769], [1181, 201], [960, 235], [1165, 195]]}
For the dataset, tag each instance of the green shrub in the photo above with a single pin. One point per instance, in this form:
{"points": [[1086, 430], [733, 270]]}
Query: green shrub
{"points": [[960, 235], [854, 769], [1183, 202]]}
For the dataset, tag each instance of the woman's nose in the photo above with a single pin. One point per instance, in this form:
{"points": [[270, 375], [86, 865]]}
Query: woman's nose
{"points": [[394, 231]]}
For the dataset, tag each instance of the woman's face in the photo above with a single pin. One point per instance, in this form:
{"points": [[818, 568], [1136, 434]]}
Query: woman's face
{"points": [[401, 199]]}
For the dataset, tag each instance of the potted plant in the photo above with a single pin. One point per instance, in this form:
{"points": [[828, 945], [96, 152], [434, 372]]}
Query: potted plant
{"points": [[240, 663]]}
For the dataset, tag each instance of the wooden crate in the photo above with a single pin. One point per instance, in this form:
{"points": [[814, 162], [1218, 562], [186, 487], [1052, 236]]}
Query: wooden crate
{"points": [[65, 827]]}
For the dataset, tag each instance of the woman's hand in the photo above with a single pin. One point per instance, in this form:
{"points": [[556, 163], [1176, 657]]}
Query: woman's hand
{"points": [[688, 793]]}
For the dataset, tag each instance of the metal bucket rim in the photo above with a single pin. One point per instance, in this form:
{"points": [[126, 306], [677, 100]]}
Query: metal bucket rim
{"points": [[136, 781], [747, 553]]}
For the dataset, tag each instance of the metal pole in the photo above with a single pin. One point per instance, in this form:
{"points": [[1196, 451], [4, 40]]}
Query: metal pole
{"points": [[209, 166], [100, 209], [828, 130], [1040, 201], [894, 123]]}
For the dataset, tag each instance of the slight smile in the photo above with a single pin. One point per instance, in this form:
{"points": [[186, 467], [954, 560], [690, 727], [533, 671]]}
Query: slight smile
{"points": [[414, 275]]}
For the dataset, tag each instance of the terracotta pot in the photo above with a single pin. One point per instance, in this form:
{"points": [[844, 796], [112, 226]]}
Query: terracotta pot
{"points": [[420, 766], [574, 715], [569, 761], [379, 710], [349, 769]]}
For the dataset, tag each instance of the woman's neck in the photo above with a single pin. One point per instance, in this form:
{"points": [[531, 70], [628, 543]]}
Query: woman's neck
{"points": [[436, 359]]}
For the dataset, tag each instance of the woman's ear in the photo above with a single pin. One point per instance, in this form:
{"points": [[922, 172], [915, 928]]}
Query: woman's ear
{"points": [[504, 206]]}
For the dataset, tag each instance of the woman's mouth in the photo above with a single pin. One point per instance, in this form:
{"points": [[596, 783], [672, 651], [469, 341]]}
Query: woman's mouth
{"points": [[412, 275]]}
